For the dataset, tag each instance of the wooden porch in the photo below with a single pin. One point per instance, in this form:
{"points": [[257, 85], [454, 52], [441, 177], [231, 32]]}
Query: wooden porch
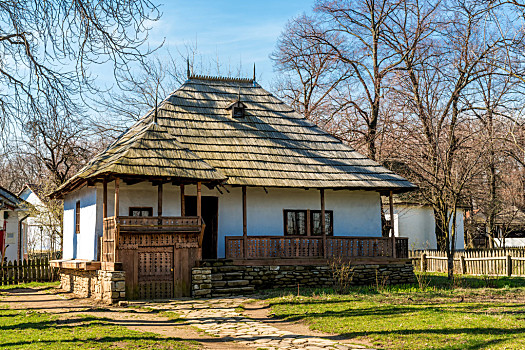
{"points": [[267, 248], [114, 227]]}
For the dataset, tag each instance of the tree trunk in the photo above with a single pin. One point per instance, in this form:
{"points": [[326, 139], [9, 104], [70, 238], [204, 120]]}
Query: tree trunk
{"points": [[441, 234]]}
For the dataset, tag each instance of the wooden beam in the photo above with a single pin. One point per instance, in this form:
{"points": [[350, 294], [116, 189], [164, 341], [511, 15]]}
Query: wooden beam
{"points": [[117, 197], [244, 214], [116, 234], [323, 226], [391, 202], [159, 200], [244, 224], [199, 199], [105, 198], [182, 201]]}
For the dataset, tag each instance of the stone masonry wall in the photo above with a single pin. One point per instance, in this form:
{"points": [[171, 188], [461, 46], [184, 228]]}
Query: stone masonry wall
{"points": [[106, 286], [221, 278]]}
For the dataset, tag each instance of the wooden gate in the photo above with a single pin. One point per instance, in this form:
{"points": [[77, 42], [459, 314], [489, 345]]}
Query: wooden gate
{"points": [[158, 265], [155, 275]]}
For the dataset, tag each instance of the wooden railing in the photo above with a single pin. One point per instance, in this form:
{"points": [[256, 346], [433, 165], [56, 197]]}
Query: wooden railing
{"points": [[267, 247], [115, 226]]}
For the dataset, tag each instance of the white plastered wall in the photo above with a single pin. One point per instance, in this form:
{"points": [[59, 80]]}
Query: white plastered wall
{"points": [[418, 224], [11, 234], [80, 246], [356, 213]]}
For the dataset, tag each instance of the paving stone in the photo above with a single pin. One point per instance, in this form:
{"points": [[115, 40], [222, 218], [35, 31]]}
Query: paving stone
{"points": [[217, 316]]}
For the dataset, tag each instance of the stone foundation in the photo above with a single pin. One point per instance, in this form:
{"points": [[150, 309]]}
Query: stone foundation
{"points": [[106, 286], [222, 278]]}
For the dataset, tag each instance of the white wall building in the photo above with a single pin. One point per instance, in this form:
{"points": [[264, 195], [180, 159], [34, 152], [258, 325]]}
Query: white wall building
{"points": [[42, 228], [417, 222], [13, 236], [355, 213]]}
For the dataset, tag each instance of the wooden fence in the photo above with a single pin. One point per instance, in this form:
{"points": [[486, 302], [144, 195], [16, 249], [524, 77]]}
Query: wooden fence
{"points": [[25, 271], [500, 262]]}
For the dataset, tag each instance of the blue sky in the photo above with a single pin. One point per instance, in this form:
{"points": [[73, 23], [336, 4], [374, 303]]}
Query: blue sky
{"points": [[238, 33]]}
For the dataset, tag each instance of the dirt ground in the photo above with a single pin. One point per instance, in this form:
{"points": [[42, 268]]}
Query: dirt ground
{"points": [[66, 306]]}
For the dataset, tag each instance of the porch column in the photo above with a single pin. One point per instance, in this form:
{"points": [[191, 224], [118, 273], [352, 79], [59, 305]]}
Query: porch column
{"points": [[100, 252], [116, 233], [117, 203], [182, 201], [391, 202], [323, 225], [244, 224], [199, 199], [105, 198], [159, 200]]}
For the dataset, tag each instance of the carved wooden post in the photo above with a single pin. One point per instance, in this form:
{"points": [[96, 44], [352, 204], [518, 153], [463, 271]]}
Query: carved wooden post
{"points": [[391, 202], [159, 203], [116, 234], [182, 201], [105, 198], [244, 224], [199, 200], [323, 222], [159, 200]]}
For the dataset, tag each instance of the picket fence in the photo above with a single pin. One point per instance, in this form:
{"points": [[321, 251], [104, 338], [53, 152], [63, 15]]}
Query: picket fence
{"points": [[25, 271], [500, 262]]}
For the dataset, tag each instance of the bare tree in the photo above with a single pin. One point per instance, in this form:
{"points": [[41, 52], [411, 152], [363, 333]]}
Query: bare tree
{"points": [[48, 48], [437, 88]]}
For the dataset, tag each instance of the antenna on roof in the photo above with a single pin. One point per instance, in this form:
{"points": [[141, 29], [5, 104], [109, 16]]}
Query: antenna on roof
{"points": [[254, 72], [188, 67]]}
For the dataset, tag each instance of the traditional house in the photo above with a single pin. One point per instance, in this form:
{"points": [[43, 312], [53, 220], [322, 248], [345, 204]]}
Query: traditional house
{"points": [[414, 219], [13, 235], [509, 225], [277, 190], [43, 226]]}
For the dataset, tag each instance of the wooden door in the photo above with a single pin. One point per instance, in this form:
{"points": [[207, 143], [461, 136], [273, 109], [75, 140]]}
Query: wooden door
{"points": [[155, 272]]}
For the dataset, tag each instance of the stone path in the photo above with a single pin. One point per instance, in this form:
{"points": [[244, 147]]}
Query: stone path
{"points": [[218, 317]]}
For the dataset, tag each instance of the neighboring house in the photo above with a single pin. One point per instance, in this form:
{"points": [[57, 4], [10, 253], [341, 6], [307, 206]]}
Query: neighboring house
{"points": [[275, 187], [13, 236], [416, 221], [43, 227], [509, 225]]}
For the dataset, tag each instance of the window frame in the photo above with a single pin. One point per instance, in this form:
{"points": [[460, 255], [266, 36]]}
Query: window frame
{"points": [[148, 209], [296, 211], [328, 213], [309, 219]]}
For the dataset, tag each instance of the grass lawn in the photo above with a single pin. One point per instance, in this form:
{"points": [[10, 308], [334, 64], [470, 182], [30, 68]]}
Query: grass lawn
{"points": [[33, 330], [482, 313]]}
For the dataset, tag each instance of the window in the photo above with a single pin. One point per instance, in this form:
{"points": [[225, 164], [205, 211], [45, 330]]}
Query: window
{"points": [[295, 222], [77, 217], [315, 219], [238, 112], [140, 211], [307, 222]]}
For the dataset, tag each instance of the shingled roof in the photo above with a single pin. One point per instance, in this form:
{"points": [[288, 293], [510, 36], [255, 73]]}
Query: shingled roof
{"points": [[11, 200], [149, 151], [272, 145]]}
